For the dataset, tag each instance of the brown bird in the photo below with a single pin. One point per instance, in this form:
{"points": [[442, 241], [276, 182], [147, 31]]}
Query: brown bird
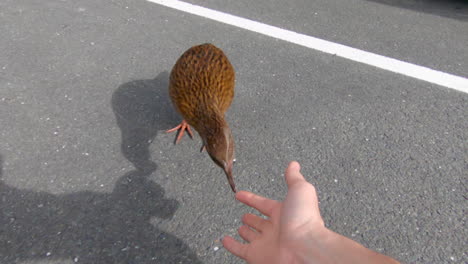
{"points": [[201, 87]]}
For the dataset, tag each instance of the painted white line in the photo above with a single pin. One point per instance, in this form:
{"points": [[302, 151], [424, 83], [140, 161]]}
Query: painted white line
{"points": [[379, 61]]}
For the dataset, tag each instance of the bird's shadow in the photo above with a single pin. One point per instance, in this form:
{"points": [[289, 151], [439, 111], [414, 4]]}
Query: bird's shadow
{"points": [[93, 227], [143, 108]]}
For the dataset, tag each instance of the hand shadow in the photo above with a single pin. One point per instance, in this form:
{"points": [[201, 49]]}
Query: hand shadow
{"points": [[91, 227]]}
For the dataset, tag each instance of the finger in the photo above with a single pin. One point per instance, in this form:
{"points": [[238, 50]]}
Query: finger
{"points": [[248, 234], [255, 222], [262, 204], [293, 174], [235, 247]]}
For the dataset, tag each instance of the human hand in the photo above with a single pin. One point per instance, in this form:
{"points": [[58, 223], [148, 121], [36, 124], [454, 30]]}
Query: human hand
{"points": [[294, 231], [290, 226]]}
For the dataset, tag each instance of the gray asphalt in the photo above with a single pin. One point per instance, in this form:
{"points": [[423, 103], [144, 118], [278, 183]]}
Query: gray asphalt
{"points": [[89, 176]]}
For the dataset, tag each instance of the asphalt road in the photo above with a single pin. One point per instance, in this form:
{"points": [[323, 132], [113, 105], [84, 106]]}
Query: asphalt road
{"points": [[89, 176]]}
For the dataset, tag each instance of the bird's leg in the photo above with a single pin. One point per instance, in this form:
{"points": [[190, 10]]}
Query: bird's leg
{"points": [[181, 128]]}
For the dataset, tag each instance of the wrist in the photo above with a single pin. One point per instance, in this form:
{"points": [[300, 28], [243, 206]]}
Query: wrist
{"points": [[335, 248], [311, 246]]}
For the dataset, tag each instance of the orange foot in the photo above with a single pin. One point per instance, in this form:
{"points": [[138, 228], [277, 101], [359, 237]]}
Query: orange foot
{"points": [[181, 128]]}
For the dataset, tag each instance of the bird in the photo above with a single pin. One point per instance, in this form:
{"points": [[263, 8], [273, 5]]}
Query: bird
{"points": [[201, 88]]}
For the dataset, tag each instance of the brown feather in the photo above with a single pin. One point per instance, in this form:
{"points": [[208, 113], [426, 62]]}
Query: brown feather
{"points": [[201, 88]]}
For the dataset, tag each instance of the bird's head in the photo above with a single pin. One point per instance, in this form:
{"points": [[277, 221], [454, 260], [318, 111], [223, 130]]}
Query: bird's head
{"points": [[220, 147]]}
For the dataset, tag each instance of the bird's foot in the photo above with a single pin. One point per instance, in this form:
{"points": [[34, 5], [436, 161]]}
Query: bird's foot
{"points": [[181, 128]]}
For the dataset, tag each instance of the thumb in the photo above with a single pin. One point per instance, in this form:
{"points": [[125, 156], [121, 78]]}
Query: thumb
{"points": [[293, 174], [301, 203]]}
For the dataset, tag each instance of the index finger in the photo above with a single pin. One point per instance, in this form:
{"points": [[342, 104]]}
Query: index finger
{"points": [[261, 204]]}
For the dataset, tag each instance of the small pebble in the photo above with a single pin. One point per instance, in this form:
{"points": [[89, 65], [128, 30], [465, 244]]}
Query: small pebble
{"points": [[216, 248], [48, 254]]}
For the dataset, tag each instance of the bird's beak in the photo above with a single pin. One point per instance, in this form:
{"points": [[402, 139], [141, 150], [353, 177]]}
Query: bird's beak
{"points": [[228, 171]]}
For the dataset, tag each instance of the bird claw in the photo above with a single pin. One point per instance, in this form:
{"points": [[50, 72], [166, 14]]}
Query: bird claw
{"points": [[181, 128]]}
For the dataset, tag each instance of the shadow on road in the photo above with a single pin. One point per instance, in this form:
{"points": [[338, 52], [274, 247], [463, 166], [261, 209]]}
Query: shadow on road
{"points": [[92, 227], [143, 108], [456, 9]]}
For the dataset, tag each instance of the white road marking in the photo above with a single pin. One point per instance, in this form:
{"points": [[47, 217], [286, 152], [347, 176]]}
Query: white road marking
{"points": [[412, 70]]}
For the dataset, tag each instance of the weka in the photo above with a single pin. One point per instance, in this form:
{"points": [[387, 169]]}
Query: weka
{"points": [[201, 87]]}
